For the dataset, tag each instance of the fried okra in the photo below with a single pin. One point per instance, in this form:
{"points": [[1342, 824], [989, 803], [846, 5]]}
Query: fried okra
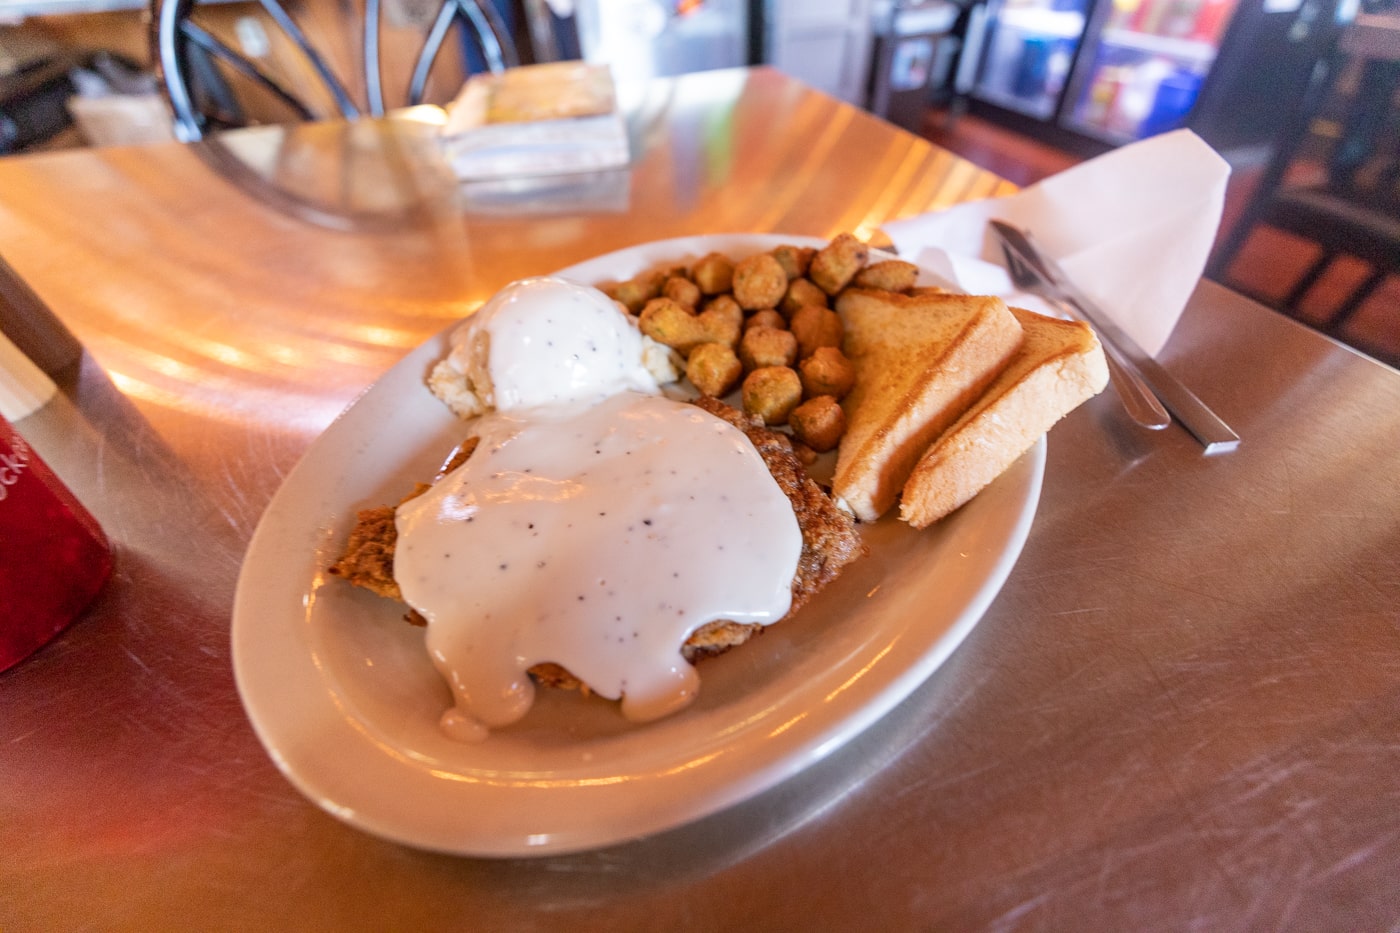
{"points": [[819, 423], [669, 323], [891, 275], [714, 369], [682, 291], [801, 293], [771, 393], [827, 372], [794, 259], [723, 320], [713, 273], [837, 263], [766, 318], [814, 328], [636, 292], [759, 282], [767, 346]]}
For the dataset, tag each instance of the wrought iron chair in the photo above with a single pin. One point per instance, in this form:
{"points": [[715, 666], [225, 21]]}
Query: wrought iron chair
{"points": [[1354, 209], [203, 100]]}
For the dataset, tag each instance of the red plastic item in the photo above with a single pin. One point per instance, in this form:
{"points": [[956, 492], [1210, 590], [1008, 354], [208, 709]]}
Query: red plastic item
{"points": [[1212, 19], [54, 556]]}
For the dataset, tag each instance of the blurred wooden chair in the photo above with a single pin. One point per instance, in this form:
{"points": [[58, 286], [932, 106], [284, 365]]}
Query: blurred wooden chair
{"points": [[1353, 208], [205, 77]]}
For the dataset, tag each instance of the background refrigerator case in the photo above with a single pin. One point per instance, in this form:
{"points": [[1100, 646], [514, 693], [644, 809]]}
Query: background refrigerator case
{"points": [[1119, 70], [1145, 69], [1029, 47]]}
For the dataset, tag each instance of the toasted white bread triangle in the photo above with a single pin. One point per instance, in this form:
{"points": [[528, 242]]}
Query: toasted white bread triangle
{"points": [[919, 362], [1059, 365]]}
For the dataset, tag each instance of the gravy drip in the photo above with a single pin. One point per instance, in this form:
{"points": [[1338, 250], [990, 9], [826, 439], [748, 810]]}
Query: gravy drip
{"points": [[597, 537]]}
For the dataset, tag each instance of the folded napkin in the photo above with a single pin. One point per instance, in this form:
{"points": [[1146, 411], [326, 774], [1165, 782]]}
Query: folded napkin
{"points": [[1132, 228]]}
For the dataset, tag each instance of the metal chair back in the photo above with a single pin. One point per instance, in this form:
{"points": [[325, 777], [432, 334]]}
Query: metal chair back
{"points": [[1346, 201], [192, 60]]}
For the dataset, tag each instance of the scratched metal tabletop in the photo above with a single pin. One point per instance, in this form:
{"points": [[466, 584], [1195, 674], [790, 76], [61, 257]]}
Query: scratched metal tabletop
{"points": [[1181, 712]]}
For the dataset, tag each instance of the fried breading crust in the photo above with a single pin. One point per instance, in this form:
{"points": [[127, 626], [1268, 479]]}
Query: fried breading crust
{"points": [[368, 560], [829, 537], [829, 543]]}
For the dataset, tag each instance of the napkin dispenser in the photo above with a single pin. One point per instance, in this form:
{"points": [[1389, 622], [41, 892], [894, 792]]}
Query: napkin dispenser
{"points": [[557, 118]]}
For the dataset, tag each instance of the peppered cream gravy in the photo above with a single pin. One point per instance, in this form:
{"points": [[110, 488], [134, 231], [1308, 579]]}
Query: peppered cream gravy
{"points": [[597, 537]]}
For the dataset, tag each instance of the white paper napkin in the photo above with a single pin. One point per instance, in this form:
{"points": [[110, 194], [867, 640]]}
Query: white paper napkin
{"points": [[1132, 228]]}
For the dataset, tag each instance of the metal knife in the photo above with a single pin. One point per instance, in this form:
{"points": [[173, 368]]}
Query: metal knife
{"points": [[1207, 427], [1138, 400]]}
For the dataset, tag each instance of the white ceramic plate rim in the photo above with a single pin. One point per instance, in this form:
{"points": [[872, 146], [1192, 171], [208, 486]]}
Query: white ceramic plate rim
{"points": [[344, 734]]}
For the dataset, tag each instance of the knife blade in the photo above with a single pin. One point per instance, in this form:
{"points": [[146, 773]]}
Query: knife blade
{"points": [[1205, 425]]}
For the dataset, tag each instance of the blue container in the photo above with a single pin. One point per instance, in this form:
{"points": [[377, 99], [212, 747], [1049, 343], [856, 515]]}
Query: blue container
{"points": [[1034, 67], [1176, 95]]}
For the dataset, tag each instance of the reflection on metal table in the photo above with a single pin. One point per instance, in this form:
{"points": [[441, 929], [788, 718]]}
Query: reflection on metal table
{"points": [[1180, 711]]}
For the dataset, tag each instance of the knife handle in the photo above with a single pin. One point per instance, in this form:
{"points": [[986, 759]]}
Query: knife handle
{"points": [[1214, 434], [1195, 416], [1138, 400]]}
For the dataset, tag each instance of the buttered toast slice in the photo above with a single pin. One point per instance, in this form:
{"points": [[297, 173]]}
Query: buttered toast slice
{"points": [[920, 361], [1059, 365]]}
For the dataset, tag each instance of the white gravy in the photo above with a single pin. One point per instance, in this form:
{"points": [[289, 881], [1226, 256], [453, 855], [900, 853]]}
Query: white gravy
{"points": [[597, 537]]}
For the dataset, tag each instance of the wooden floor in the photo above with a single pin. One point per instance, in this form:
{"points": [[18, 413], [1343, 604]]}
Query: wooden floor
{"points": [[1266, 268]]}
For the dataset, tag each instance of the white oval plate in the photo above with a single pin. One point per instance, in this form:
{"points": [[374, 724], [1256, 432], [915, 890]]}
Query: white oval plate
{"points": [[342, 694]]}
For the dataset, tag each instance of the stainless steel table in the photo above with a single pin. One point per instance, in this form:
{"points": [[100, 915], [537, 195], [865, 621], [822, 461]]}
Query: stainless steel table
{"points": [[1180, 713]]}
